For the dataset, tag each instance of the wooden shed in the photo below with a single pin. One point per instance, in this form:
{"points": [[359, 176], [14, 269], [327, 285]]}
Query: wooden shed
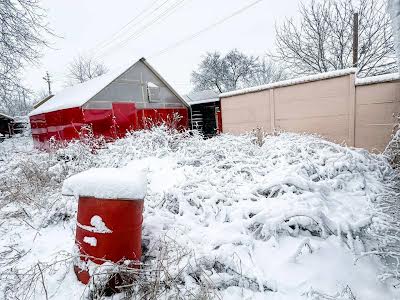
{"points": [[5, 125], [205, 112]]}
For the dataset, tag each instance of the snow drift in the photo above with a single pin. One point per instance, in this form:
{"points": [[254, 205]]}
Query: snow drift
{"points": [[295, 218]]}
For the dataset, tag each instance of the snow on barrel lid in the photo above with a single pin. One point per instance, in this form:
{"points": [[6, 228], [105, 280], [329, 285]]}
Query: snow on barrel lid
{"points": [[108, 183]]}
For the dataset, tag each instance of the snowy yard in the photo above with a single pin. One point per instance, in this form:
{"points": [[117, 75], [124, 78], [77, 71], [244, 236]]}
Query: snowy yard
{"points": [[295, 218]]}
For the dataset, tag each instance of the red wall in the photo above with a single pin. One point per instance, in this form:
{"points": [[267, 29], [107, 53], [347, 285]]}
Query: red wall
{"points": [[151, 117], [61, 125], [65, 125]]}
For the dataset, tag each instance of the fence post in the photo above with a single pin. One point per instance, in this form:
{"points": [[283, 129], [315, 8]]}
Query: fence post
{"points": [[272, 109], [352, 109]]}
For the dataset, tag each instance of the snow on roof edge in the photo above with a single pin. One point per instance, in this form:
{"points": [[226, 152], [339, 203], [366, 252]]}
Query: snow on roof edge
{"points": [[378, 79], [304, 79], [203, 101], [7, 116]]}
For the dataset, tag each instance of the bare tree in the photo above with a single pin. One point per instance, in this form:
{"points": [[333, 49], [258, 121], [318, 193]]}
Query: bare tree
{"points": [[16, 101], [394, 9], [239, 68], [322, 41], [40, 95], [232, 71], [268, 72], [210, 73], [23, 27], [82, 69]]}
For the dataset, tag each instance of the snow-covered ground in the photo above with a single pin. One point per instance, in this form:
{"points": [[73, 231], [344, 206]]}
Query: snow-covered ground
{"points": [[295, 218]]}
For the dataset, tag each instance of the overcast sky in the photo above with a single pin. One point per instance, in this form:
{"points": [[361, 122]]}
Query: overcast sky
{"points": [[87, 27]]}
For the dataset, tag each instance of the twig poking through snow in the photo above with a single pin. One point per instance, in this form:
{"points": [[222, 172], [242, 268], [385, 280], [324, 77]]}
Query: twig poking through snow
{"points": [[305, 243], [44, 285]]}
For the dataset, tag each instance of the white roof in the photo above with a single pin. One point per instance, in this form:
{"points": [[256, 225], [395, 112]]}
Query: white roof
{"points": [[200, 97], [321, 76], [77, 95]]}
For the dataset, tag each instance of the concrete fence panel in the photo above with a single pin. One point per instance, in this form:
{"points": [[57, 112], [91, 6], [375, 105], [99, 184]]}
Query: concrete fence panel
{"points": [[320, 107], [376, 105], [246, 112]]}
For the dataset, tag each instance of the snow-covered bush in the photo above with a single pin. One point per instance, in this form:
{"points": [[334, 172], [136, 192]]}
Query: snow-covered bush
{"points": [[392, 150], [226, 217]]}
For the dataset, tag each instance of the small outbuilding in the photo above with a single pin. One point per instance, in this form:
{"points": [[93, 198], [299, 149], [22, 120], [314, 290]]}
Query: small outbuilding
{"points": [[205, 112], [11, 125], [5, 126], [111, 105]]}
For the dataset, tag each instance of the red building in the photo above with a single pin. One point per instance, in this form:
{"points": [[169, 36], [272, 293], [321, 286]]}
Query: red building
{"points": [[111, 105]]}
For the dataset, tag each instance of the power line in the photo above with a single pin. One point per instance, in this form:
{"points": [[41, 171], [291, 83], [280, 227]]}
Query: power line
{"points": [[190, 37], [139, 31], [136, 34], [136, 18]]}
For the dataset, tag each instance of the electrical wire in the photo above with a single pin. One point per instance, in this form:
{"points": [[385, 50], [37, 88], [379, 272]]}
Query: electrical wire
{"points": [[138, 20], [207, 28], [136, 34]]}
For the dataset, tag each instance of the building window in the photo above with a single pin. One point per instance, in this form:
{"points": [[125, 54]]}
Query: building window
{"points": [[153, 92]]}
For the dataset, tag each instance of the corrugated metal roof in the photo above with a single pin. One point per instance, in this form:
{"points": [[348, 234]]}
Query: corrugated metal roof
{"points": [[205, 96]]}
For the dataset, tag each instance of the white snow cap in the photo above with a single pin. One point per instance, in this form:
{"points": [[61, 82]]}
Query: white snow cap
{"points": [[108, 183], [310, 78], [378, 79]]}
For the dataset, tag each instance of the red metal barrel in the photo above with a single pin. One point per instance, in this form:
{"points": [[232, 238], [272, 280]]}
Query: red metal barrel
{"points": [[108, 229]]}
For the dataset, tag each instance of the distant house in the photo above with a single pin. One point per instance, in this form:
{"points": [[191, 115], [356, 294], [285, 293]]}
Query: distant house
{"points": [[205, 112], [110, 105]]}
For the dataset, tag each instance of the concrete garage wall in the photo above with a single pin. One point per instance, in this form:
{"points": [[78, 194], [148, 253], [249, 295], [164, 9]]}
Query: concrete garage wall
{"points": [[334, 105], [375, 106]]}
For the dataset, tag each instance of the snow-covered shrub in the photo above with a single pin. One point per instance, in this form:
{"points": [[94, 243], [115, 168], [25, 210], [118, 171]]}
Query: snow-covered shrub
{"points": [[224, 217], [392, 150]]}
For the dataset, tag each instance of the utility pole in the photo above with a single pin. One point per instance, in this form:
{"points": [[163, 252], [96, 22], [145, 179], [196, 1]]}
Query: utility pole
{"points": [[355, 40], [48, 80]]}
